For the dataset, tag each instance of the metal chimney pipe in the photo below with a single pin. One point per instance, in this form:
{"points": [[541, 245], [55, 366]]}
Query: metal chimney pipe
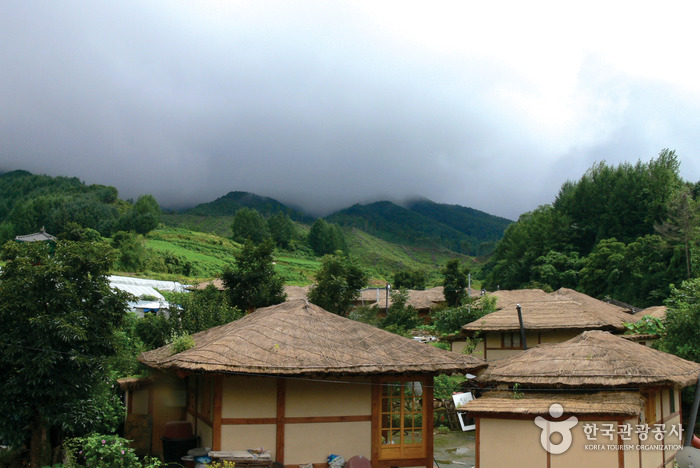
{"points": [[522, 327]]}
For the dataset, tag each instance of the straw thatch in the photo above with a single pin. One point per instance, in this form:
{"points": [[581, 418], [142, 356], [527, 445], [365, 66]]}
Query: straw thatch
{"points": [[298, 338], [514, 296], [598, 403], [593, 359], [420, 299], [564, 309], [218, 283], [658, 312], [295, 293]]}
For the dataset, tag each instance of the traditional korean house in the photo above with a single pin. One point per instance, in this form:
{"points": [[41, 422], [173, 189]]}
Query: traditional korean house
{"points": [[547, 318], [305, 383], [596, 400]]}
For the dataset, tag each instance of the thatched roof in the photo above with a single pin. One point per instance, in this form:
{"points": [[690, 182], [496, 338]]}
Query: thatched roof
{"points": [[419, 299], [292, 292], [514, 296], [561, 310], [295, 293], [218, 283], [298, 338], [598, 403], [592, 359], [658, 312]]}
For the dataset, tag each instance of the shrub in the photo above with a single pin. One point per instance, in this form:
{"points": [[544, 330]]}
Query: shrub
{"points": [[181, 343], [97, 450]]}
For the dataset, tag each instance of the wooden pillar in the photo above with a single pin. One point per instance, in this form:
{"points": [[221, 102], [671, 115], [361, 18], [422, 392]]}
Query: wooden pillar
{"points": [[281, 397], [428, 416], [216, 420]]}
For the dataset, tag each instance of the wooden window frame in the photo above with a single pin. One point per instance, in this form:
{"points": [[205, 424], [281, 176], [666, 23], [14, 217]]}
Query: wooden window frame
{"points": [[408, 454]]}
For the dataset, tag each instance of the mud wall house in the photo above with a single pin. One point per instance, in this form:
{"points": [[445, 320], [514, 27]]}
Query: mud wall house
{"points": [[625, 399], [547, 318], [304, 383]]}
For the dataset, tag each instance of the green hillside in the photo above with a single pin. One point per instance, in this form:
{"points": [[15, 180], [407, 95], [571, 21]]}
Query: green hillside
{"points": [[473, 223], [234, 201], [432, 228]]}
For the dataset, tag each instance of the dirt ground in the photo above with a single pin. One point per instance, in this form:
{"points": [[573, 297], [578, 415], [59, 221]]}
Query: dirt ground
{"points": [[454, 449]]}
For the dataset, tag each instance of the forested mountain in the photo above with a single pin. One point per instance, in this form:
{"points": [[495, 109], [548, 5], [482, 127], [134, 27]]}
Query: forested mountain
{"points": [[626, 232], [474, 223], [234, 201], [425, 226], [29, 202]]}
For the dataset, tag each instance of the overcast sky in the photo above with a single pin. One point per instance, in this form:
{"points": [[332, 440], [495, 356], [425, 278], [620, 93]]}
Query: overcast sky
{"points": [[491, 105]]}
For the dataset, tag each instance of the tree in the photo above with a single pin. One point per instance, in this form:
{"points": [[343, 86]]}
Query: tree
{"points": [[253, 282], [683, 224], [249, 225], [338, 283], [199, 310], [281, 229], [682, 336], [454, 283], [325, 238], [143, 217], [58, 316], [401, 317], [410, 279]]}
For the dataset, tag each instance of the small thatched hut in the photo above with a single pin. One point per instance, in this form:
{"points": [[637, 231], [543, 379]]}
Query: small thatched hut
{"points": [[304, 383], [625, 399], [547, 318]]}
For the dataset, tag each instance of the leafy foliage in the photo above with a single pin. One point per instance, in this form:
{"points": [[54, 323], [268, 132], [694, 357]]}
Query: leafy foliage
{"points": [[599, 236], [647, 325], [59, 318], [104, 450], [401, 318], [200, 310], [253, 283], [181, 343], [410, 279], [249, 225], [325, 238], [29, 202], [337, 284], [454, 283], [683, 321], [449, 321]]}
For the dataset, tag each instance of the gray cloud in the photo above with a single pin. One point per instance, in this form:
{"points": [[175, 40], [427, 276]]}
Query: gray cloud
{"points": [[312, 104]]}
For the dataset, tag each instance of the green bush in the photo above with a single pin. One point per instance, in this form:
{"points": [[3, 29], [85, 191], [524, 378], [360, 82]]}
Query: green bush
{"points": [[181, 343], [103, 450]]}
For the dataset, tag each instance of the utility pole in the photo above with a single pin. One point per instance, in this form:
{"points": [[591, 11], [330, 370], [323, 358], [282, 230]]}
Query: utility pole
{"points": [[388, 287]]}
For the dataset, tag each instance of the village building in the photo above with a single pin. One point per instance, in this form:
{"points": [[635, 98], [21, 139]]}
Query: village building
{"points": [[547, 318], [302, 383], [594, 400], [41, 236]]}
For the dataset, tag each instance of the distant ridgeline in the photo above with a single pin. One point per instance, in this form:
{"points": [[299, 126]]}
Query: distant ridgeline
{"points": [[427, 224], [29, 202], [234, 201]]}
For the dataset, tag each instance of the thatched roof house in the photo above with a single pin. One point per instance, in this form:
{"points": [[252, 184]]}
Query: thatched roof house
{"points": [[562, 309], [547, 318], [305, 383], [601, 382], [300, 338], [593, 359], [502, 403]]}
